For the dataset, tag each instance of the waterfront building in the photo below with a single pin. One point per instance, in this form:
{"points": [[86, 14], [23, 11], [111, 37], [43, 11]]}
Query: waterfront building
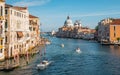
{"points": [[70, 30], [109, 30], [2, 29], [34, 30], [19, 31]]}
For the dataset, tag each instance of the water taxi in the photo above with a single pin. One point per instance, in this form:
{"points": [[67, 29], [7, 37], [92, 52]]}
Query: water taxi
{"points": [[43, 65], [62, 45], [78, 50]]}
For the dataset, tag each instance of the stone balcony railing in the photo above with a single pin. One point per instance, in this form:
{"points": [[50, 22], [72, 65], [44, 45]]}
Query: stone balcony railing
{"points": [[1, 36]]}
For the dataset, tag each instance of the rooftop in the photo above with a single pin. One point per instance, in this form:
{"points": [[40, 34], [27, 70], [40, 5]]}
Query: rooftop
{"points": [[115, 22], [31, 16]]}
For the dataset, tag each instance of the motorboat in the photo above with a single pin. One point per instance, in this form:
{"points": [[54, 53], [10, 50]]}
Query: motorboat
{"points": [[78, 50], [43, 65], [62, 45], [53, 33], [47, 43]]}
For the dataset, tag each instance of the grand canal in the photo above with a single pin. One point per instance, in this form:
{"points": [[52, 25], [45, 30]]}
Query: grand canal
{"points": [[95, 59]]}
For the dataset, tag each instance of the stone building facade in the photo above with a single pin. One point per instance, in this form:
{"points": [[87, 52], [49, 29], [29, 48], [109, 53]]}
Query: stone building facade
{"points": [[16, 36], [70, 30], [109, 30]]}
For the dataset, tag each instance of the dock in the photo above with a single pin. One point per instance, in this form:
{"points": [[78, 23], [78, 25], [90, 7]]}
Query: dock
{"points": [[8, 67], [105, 43]]}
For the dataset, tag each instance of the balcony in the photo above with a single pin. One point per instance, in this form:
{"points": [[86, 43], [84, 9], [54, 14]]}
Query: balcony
{"points": [[1, 36]]}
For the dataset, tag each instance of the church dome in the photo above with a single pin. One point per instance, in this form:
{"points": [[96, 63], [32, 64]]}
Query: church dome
{"points": [[68, 22], [77, 23]]}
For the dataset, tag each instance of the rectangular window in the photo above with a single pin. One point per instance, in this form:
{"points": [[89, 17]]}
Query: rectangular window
{"points": [[114, 28], [1, 42], [1, 11], [6, 39], [0, 50], [114, 31], [6, 12], [33, 29], [114, 34], [6, 24], [30, 28], [11, 12]]}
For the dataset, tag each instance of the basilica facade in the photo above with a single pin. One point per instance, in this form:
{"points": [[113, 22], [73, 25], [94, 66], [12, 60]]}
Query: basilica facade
{"points": [[76, 30]]}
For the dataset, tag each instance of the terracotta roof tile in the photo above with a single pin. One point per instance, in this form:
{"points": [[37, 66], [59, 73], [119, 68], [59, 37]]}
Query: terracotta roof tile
{"points": [[31, 16], [20, 8], [115, 22]]}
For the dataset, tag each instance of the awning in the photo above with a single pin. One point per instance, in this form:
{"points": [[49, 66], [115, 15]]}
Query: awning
{"points": [[19, 34], [1, 46]]}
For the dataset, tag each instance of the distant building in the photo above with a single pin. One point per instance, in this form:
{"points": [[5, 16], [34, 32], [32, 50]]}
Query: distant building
{"points": [[68, 22], [70, 30], [109, 30]]}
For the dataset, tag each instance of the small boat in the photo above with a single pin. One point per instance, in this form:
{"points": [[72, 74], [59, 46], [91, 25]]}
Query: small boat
{"points": [[53, 33], [43, 65], [62, 45], [78, 50], [47, 43]]}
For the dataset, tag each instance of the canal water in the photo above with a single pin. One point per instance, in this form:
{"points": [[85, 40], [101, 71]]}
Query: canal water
{"points": [[94, 59]]}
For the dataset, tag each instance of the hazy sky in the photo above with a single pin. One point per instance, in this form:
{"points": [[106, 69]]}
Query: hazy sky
{"points": [[52, 13]]}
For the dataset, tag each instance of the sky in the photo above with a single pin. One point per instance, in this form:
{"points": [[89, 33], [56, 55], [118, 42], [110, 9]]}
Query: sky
{"points": [[53, 13]]}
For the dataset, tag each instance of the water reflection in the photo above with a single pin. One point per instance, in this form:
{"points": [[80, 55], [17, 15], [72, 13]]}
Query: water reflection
{"points": [[95, 59], [115, 50], [19, 61]]}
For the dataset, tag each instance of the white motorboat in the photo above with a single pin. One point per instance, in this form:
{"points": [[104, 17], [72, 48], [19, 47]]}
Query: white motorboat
{"points": [[78, 50], [43, 65], [53, 33], [47, 43], [62, 45]]}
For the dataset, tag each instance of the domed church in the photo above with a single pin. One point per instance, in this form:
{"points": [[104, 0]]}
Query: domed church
{"points": [[70, 30], [68, 22]]}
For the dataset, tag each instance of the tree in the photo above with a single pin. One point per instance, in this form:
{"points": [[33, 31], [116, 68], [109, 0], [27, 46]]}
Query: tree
{"points": [[118, 39], [96, 28]]}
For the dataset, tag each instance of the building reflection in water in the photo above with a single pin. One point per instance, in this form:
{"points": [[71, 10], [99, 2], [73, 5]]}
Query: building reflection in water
{"points": [[22, 61], [115, 50]]}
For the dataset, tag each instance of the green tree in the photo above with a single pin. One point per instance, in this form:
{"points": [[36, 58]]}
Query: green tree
{"points": [[96, 28], [118, 39]]}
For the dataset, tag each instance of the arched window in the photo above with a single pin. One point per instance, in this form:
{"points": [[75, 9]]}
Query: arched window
{"points": [[1, 11], [6, 39]]}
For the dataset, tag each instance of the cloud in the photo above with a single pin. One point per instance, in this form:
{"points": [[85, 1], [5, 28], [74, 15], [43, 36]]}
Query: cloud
{"points": [[30, 3], [97, 14]]}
